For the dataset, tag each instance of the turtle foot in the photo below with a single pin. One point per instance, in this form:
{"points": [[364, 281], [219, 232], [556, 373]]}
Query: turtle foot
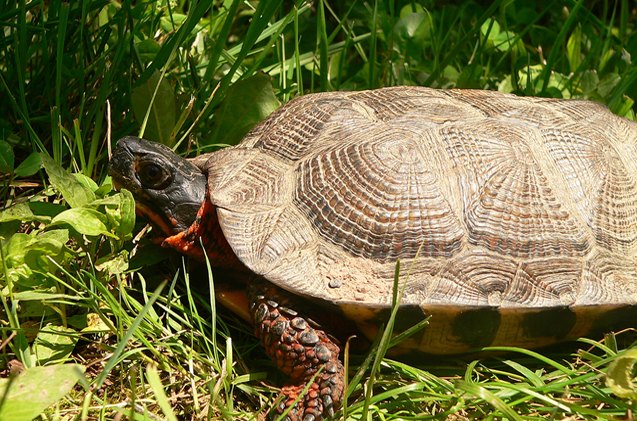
{"points": [[317, 403], [300, 349]]}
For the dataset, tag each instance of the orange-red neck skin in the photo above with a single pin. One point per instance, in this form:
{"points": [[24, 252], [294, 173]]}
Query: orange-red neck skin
{"points": [[205, 229]]}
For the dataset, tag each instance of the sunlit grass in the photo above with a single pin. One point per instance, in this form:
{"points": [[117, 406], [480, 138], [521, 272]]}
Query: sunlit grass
{"points": [[76, 288]]}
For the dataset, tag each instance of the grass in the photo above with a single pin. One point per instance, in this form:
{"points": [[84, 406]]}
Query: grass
{"points": [[80, 296]]}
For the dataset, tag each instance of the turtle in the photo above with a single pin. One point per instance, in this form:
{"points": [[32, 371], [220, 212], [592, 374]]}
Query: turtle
{"points": [[514, 220]]}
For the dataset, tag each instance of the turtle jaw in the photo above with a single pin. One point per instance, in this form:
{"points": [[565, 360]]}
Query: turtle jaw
{"points": [[170, 203], [166, 226], [121, 170]]}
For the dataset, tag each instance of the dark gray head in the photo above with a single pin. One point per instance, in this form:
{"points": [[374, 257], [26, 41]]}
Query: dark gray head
{"points": [[168, 189]]}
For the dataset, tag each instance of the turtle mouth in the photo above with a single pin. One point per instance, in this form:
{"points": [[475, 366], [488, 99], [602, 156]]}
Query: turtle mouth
{"points": [[168, 189], [165, 226], [124, 177]]}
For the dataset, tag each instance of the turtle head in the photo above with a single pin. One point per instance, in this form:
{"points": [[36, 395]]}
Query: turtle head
{"points": [[168, 189]]}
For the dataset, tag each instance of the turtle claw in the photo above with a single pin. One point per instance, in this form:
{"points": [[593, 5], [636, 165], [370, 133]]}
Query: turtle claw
{"points": [[317, 403], [303, 352]]}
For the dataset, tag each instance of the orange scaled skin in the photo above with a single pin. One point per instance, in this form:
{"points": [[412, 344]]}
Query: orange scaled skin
{"points": [[205, 230], [298, 347]]}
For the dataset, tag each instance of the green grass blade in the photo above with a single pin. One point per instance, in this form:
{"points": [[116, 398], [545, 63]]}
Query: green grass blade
{"points": [[119, 351], [489, 397], [561, 36], [321, 35], [155, 383], [221, 39]]}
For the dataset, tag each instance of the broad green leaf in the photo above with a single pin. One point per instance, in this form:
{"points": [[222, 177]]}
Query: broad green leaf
{"points": [[59, 236], [607, 84], [411, 8], [498, 39], [247, 102], [113, 264], [505, 41], [490, 29], [113, 200], [27, 395], [120, 212], [14, 249], [54, 344], [531, 76], [105, 188], [47, 209], [6, 157], [22, 213], [46, 246], [123, 215], [169, 24], [147, 49], [74, 192], [21, 275], [559, 82], [413, 33], [83, 220], [589, 82], [86, 181], [127, 210], [7, 230], [18, 212], [37, 310], [163, 114], [621, 376], [29, 166], [409, 24]]}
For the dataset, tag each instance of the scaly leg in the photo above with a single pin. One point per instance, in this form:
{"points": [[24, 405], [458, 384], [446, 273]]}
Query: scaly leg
{"points": [[299, 350]]}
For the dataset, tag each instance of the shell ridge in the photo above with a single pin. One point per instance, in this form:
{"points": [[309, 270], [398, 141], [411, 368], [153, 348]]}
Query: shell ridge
{"points": [[377, 176]]}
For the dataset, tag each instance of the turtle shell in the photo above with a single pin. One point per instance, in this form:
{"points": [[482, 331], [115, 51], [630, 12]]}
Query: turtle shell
{"points": [[514, 219]]}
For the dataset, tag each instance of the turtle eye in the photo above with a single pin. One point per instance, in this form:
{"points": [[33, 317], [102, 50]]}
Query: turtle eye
{"points": [[153, 176]]}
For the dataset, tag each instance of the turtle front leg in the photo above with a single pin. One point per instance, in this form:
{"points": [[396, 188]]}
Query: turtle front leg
{"points": [[300, 351]]}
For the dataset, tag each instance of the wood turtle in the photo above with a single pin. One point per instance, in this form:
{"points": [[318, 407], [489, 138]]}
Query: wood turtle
{"points": [[514, 219]]}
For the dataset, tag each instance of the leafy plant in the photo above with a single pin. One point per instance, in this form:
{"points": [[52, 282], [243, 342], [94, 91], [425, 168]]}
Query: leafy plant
{"points": [[78, 295]]}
